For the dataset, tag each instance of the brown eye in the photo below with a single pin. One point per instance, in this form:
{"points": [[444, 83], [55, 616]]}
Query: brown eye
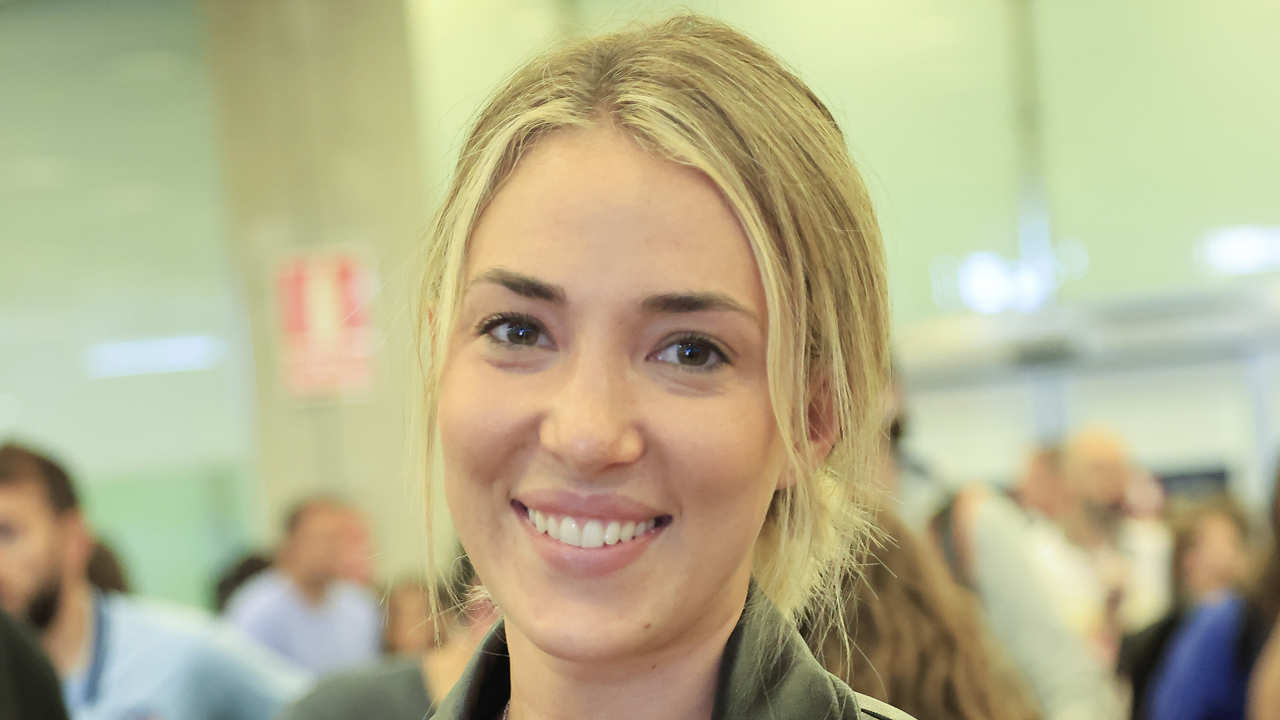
{"points": [[518, 333], [514, 330], [693, 353]]}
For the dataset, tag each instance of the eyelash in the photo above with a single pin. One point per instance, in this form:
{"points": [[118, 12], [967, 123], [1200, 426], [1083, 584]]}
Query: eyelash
{"points": [[486, 326], [691, 338]]}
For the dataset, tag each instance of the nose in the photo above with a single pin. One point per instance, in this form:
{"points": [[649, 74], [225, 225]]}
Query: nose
{"points": [[591, 424]]}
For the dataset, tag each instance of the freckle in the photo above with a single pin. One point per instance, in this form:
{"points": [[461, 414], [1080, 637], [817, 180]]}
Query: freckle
{"points": [[648, 625], [653, 666]]}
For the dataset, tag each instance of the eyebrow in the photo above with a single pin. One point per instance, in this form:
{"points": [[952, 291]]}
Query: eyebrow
{"points": [[666, 303], [676, 303], [523, 285]]}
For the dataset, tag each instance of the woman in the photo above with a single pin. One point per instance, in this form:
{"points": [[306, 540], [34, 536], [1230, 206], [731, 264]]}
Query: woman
{"points": [[655, 360], [1209, 562], [921, 644], [1205, 672]]}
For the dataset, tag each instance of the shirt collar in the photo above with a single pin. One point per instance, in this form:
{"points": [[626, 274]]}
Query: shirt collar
{"points": [[766, 671]]}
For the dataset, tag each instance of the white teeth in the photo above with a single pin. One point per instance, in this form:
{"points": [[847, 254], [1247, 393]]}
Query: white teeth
{"points": [[569, 532], [593, 534], [587, 533]]}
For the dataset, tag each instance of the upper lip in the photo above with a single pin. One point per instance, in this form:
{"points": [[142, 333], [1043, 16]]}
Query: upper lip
{"points": [[604, 506]]}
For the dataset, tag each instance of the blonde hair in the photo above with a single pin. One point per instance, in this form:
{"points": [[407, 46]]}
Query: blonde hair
{"points": [[698, 93]]}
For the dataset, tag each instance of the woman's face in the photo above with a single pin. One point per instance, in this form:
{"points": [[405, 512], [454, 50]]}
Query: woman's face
{"points": [[609, 445]]}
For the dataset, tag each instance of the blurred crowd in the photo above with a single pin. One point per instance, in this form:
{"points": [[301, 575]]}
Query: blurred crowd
{"points": [[1081, 591]]}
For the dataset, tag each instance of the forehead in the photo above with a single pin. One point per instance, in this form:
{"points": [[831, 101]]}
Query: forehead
{"points": [[1218, 525], [27, 496], [322, 515], [590, 206]]}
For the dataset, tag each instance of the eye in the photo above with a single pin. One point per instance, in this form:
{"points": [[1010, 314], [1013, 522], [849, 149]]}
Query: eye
{"points": [[693, 352], [515, 330]]}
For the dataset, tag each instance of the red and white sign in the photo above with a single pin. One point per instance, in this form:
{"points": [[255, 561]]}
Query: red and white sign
{"points": [[326, 340]]}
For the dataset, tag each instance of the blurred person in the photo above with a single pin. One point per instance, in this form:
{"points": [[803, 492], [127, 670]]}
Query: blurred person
{"points": [[118, 657], [657, 338], [301, 607], [1205, 672], [916, 493], [1264, 682], [235, 575], [356, 564], [408, 630], [1096, 470], [1107, 565], [1000, 551], [28, 684], [919, 642], [1040, 488], [408, 686], [105, 570], [1210, 560]]}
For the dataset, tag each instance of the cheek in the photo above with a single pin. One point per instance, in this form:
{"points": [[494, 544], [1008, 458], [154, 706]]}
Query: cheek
{"points": [[483, 431], [468, 426], [726, 460]]}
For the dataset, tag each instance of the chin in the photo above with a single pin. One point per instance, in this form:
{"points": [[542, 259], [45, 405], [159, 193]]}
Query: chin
{"points": [[585, 637]]}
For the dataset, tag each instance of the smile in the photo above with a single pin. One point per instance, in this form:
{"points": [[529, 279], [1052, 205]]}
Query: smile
{"points": [[590, 532]]}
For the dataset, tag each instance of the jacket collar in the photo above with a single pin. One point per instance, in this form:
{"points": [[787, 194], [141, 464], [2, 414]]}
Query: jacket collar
{"points": [[766, 672]]}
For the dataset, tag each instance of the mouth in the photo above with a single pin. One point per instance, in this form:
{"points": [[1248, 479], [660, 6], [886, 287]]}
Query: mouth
{"points": [[590, 532]]}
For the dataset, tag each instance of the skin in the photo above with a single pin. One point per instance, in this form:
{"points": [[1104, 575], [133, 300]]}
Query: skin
{"points": [[1041, 486], [1097, 470], [357, 552], [601, 402], [39, 546], [408, 630], [313, 555], [1217, 562]]}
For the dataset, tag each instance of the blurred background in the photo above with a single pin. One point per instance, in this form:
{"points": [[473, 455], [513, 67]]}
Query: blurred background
{"points": [[210, 215]]}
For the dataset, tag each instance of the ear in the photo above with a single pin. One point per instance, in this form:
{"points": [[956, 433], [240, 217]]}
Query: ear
{"points": [[824, 429], [77, 542], [824, 426]]}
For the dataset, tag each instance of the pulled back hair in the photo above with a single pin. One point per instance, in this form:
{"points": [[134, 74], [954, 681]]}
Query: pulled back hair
{"points": [[19, 464], [698, 93], [920, 643]]}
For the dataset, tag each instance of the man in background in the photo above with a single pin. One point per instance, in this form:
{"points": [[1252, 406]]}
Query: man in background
{"points": [[302, 608], [408, 686], [116, 656], [1121, 554]]}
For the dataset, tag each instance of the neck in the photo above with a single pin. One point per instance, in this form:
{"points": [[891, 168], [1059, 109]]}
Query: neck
{"points": [[1082, 530], [677, 681], [67, 639], [312, 590]]}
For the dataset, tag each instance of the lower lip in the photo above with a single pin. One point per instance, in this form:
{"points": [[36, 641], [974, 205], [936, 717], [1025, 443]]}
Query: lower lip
{"points": [[587, 562]]}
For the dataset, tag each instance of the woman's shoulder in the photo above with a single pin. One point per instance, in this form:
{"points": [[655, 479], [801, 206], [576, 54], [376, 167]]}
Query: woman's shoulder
{"points": [[872, 709], [768, 673]]}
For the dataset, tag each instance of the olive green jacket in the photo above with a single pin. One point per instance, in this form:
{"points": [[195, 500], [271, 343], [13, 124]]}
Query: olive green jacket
{"points": [[755, 681]]}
